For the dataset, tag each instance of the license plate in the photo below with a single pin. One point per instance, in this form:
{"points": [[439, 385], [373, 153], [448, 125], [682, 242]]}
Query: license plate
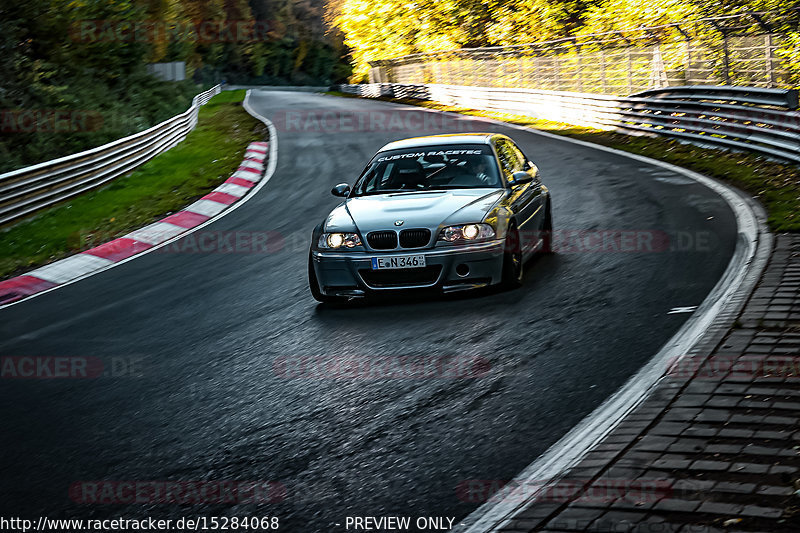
{"points": [[398, 261]]}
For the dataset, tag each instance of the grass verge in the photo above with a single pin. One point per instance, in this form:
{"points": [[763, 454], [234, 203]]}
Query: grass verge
{"points": [[775, 185], [165, 184]]}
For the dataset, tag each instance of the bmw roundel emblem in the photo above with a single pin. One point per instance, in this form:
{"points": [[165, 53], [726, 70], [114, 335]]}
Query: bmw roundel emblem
{"points": [[398, 222]]}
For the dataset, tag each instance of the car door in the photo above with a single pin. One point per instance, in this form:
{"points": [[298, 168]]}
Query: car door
{"points": [[526, 198], [536, 205]]}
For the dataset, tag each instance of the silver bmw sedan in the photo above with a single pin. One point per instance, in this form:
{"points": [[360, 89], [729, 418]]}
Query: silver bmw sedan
{"points": [[443, 212]]}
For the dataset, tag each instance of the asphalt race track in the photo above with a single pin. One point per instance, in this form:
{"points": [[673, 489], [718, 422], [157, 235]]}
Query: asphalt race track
{"points": [[194, 343]]}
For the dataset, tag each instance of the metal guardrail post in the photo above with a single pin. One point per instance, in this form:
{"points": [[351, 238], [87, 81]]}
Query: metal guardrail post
{"points": [[726, 54], [768, 59], [603, 71], [687, 77]]}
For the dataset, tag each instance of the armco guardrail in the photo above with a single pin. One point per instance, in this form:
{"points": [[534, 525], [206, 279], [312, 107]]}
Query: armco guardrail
{"points": [[29, 189], [741, 118], [749, 95]]}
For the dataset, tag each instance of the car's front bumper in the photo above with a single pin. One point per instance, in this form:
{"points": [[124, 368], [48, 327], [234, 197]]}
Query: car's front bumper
{"points": [[448, 269]]}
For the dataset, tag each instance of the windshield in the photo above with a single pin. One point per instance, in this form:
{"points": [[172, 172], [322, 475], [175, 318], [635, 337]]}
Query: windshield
{"points": [[429, 168]]}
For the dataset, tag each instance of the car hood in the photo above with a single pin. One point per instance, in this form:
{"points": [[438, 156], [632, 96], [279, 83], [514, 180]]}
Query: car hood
{"points": [[416, 209]]}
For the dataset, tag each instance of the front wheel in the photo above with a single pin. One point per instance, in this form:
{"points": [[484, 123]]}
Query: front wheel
{"points": [[513, 268]]}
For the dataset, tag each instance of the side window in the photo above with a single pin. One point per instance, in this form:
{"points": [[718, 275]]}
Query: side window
{"points": [[520, 157], [511, 159], [502, 155]]}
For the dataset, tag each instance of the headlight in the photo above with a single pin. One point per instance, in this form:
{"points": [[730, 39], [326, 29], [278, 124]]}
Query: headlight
{"points": [[467, 233], [334, 241]]}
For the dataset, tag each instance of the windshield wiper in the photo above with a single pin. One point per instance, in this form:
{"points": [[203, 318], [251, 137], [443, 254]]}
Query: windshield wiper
{"points": [[385, 191], [451, 187]]}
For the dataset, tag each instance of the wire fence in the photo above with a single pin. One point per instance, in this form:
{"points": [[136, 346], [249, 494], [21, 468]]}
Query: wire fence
{"points": [[610, 64]]}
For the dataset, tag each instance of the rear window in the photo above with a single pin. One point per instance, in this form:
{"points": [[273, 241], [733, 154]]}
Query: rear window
{"points": [[430, 168]]}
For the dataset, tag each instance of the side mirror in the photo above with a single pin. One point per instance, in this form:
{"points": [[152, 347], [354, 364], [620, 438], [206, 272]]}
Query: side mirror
{"points": [[518, 178], [342, 189]]}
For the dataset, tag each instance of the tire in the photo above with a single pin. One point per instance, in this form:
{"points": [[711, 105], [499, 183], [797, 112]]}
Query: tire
{"points": [[513, 267], [547, 232], [313, 284]]}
